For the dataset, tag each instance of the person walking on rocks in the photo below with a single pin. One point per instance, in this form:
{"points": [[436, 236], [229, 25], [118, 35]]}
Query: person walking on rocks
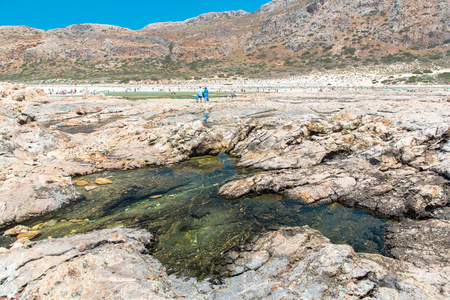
{"points": [[206, 94], [232, 94], [200, 95]]}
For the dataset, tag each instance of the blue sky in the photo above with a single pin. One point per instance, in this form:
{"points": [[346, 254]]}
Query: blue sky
{"points": [[133, 14]]}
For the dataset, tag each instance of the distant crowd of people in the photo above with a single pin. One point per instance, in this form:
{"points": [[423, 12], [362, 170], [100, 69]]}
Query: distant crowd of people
{"points": [[63, 92]]}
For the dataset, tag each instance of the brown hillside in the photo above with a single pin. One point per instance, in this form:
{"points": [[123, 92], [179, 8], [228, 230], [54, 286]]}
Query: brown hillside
{"points": [[298, 35]]}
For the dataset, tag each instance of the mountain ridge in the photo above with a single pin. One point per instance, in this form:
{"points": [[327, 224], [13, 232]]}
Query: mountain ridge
{"points": [[297, 35]]}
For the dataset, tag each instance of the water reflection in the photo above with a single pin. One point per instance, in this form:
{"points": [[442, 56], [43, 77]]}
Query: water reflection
{"points": [[85, 128], [191, 223]]}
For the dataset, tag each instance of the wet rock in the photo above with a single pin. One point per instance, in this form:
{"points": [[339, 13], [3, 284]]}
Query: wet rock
{"points": [[19, 229], [29, 235]]}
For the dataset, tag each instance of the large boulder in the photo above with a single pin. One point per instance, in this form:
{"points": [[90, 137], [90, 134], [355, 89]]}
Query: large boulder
{"points": [[100, 265], [31, 195]]}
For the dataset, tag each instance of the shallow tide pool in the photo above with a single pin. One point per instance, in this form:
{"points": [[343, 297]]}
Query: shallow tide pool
{"points": [[191, 224]]}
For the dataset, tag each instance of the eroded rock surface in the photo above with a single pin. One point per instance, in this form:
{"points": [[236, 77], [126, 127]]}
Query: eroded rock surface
{"points": [[423, 242], [361, 161], [288, 263], [109, 263], [299, 263]]}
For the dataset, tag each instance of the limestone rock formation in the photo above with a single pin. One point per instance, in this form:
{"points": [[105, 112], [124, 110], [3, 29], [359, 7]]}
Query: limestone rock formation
{"points": [[381, 150], [422, 242], [288, 263], [359, 161], [95, 266]]}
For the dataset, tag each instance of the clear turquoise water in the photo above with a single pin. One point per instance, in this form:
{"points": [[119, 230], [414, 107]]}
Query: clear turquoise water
{"points": [[191, 224]]}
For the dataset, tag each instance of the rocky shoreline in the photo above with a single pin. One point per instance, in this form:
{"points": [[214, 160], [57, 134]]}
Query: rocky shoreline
{"points": [[384, 151]]}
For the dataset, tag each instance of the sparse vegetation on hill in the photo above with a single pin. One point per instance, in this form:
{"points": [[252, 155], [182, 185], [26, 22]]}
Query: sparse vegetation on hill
{"points": [[283, 38]]}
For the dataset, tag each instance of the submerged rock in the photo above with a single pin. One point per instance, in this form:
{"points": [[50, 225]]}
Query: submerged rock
{"points": [[19, 229], [29, 235], [81, 182], [102, 181]]}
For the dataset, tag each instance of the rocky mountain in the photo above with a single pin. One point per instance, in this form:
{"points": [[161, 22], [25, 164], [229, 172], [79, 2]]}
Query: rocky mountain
{"points": [[282, 37]]}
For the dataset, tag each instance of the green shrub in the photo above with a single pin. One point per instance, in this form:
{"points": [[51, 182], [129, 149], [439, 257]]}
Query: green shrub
{"points": [[426, 79], [261, 56], [349, 51], [327, 60], [412, 79], [435, 56], [445, 76]]}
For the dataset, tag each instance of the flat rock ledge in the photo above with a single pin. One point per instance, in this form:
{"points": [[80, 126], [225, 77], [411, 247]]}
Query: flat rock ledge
{"points": [[420, 242], [290, 263]]}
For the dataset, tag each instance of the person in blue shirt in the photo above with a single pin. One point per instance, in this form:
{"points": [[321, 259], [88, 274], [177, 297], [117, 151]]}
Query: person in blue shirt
{"points": [[206, 94], [200, 95], [232, 94]]}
